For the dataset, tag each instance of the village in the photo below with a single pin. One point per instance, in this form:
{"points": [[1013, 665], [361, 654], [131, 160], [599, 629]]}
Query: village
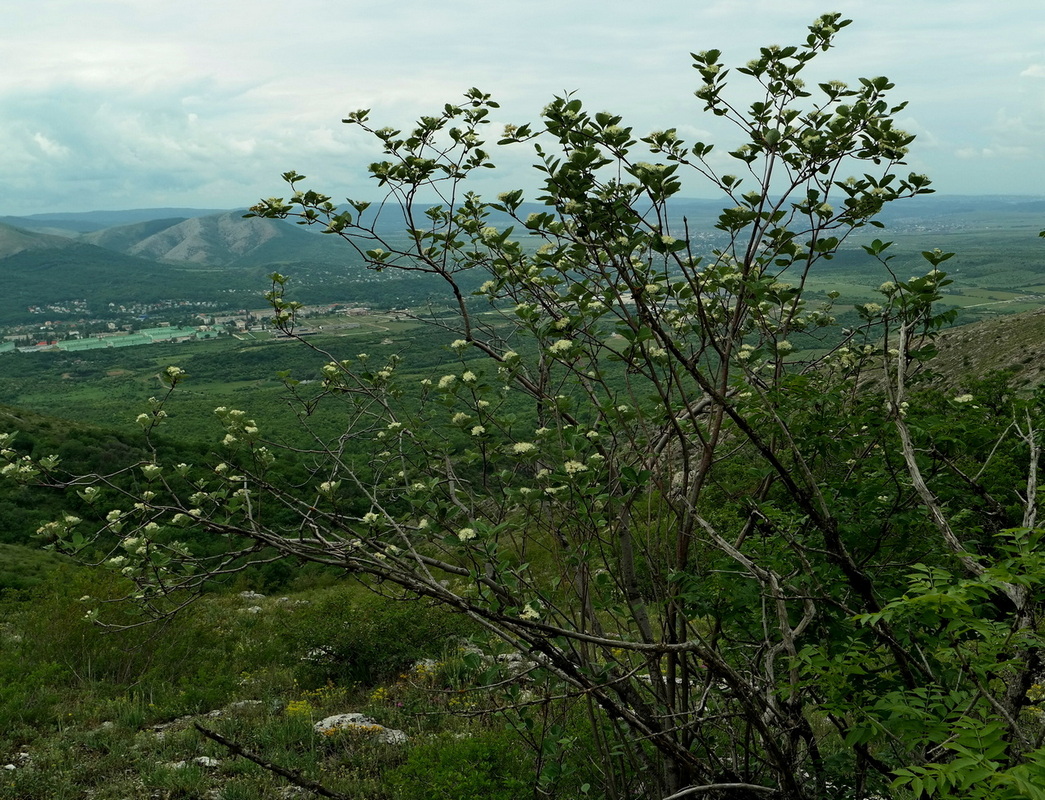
{"points": [[169, 321]]}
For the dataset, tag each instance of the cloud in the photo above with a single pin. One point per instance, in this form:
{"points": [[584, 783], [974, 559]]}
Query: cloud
{"points": [[49, 147], [77, 148], [994, 152], [140, 102]]}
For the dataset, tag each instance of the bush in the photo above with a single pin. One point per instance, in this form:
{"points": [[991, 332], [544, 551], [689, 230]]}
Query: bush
{"points": [[347, 636], [490, 764]]}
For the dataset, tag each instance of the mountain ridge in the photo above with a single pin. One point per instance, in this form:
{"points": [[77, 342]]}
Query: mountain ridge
{"points": [[14, 240], [214, 240]]}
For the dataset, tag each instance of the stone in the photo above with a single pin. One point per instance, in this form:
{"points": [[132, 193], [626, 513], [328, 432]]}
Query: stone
{"points": [[202, 761], [362, 724]]}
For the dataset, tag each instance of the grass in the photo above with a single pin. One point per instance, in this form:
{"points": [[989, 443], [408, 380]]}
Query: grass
{"points": [[22, 568], [111, 715]]}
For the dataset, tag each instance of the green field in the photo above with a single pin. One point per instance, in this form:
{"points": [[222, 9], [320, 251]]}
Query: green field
{"points": [[996, 271], [111, 386]]}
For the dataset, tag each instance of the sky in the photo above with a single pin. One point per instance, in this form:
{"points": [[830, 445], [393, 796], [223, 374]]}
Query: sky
{"points": [[117, 104]]}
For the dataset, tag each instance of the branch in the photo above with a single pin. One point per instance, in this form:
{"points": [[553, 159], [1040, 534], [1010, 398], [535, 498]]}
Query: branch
{"points": [[1030, 510], [714, 787], [291, 775]]}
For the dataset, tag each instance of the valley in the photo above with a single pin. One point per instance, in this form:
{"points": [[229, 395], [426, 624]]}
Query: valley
{"points": [[272, 647]]}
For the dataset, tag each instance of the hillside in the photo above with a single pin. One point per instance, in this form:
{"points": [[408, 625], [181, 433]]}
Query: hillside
{"points": [[125, 238], [81, 447], [1013, 343], [217, 240], [48, 271], [15, 240]]}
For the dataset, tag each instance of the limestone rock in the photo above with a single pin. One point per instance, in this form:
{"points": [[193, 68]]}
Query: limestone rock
{"points": [[360, 723]]}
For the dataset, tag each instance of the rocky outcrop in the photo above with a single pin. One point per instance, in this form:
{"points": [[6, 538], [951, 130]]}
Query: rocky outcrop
{"points": [[361, 724]]}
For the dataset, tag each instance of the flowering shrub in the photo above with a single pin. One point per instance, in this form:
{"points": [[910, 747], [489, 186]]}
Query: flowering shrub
{"points": [[751, 540], [299, 708]]}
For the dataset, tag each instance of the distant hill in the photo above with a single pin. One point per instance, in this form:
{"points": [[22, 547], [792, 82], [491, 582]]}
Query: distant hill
{"points": [[124, 238], [218, 240], [77, 222], [219, 258], [38, 269], [964, 212], [145, 255], [17, 240]]}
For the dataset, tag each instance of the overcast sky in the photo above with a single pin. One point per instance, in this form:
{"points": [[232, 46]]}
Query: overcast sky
{"points": [[113, 104]]}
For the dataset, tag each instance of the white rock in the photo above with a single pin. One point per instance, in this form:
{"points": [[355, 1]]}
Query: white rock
{"points": [[201, 761], [288, 601], [362, 723], [317, 654], [344, 720]]}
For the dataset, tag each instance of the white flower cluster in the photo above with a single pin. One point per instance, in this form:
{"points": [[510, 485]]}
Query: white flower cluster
{"points": [[23, 468], [236, 425], [145, 420]]}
